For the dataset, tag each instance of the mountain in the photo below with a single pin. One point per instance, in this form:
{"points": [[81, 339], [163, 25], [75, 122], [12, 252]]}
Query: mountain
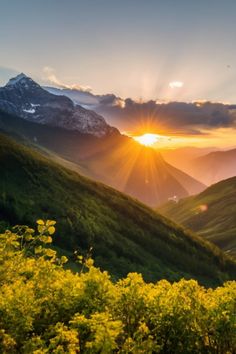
{"points": [[24, 97], [183, 157], [214, 167], [211, 214], [114, 159], [125, 234], [141, 172]]}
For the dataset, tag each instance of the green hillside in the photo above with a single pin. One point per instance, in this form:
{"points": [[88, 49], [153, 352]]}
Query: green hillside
{"points": [[211, 214], [125, 235]]}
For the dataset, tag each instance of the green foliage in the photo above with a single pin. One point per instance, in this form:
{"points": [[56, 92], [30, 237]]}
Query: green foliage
{"points": [[47, 309], [126, 236]]}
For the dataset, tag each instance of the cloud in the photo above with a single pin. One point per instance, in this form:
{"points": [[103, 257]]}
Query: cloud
{"points": [[51, 78], [119, 102], [176, 84], [173, 117], [156, 116], [110, 100]]}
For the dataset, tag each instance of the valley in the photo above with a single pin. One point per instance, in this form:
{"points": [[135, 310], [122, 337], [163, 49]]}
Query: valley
{"points": [[117, 177], [125, 234]]}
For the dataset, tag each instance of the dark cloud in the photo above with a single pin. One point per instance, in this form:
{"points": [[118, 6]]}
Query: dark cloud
{"points": [[107, 100], [180, 117]]}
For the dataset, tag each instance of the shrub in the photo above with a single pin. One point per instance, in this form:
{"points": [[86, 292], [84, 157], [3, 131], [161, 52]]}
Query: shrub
{"points": [[45, 308]]}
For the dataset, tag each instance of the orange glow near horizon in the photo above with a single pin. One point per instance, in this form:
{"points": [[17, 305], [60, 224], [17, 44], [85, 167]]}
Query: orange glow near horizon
{"points": [[161, 140], [147, 139]]}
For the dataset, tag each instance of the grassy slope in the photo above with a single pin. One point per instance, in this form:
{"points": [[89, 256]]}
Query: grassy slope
{"points": [[217, 222], [126, 235]]}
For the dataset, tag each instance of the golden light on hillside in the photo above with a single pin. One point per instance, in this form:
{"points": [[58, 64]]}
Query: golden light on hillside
{"points": [[147, 139]]}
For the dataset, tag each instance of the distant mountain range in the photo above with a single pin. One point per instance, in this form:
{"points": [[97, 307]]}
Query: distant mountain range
{"points": [[208, 165], [183, 157], [214, 167], [125, 234], [24, 97], [211, 214]]}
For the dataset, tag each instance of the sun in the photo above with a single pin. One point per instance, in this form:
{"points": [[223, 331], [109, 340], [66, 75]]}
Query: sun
{"points": [[147, 139]]}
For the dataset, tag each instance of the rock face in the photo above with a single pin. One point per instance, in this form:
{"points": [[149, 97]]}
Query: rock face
{"points": [[27, 99]]}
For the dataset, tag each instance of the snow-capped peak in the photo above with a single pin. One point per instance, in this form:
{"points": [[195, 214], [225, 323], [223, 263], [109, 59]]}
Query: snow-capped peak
{"points": [[22, 81], [16, 79], [27, 99]]}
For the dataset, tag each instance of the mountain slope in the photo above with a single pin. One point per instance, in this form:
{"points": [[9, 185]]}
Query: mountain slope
{"points": [[141, 172], [211, 214], [214, 167], [126, 235], [27, 99], [182, 157], [113, 159]]}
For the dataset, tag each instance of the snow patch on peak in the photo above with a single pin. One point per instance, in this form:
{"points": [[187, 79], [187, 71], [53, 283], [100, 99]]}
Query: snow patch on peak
{"points": [[30, 110]]}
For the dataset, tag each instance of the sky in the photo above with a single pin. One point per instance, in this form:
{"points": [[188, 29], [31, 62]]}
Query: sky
{"points": [[148, 53], [155, 49]]}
